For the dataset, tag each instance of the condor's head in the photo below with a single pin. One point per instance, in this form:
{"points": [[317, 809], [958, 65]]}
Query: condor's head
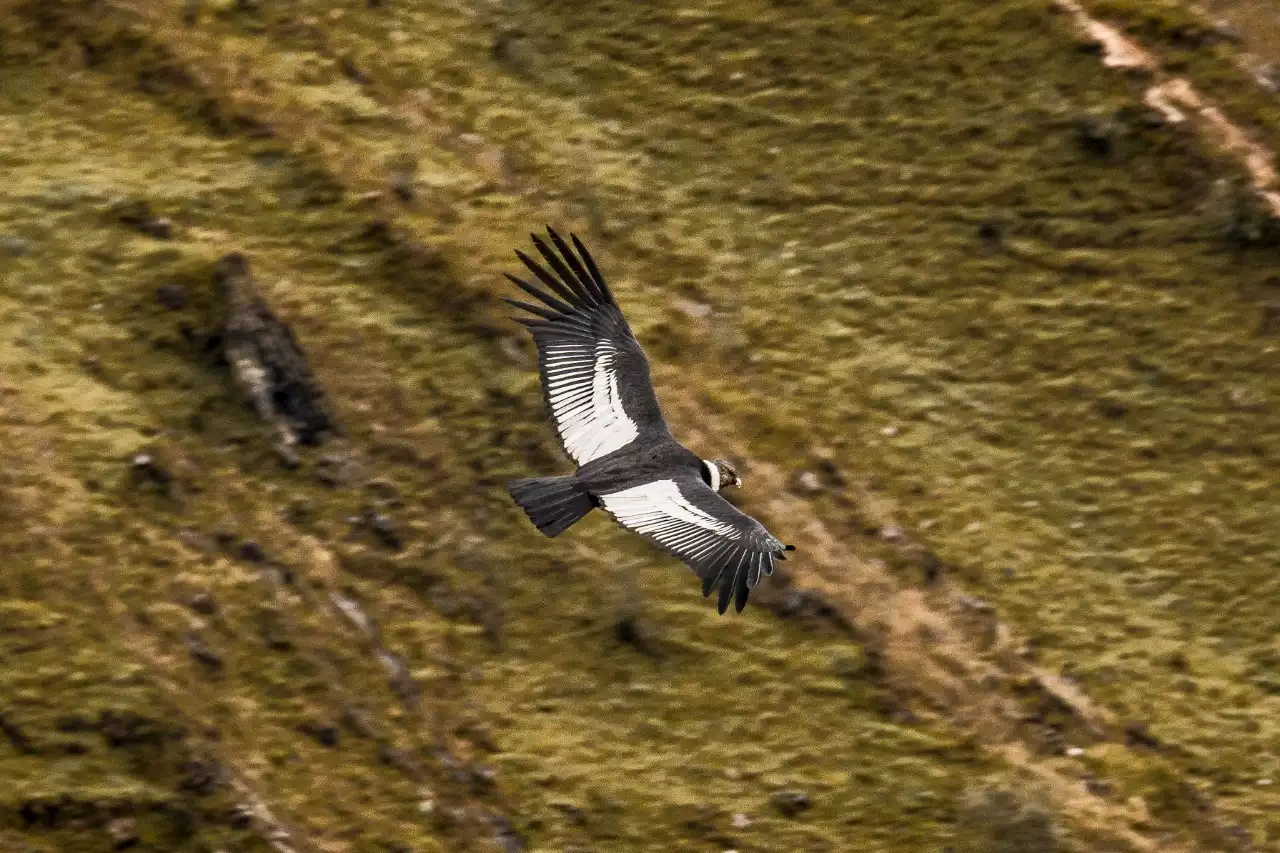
{"points": [[720, 474]]}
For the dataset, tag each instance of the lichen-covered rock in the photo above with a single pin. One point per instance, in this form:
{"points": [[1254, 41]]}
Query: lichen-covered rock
{"points": [[267, 362]]}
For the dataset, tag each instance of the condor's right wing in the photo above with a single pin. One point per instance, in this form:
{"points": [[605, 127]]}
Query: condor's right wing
{"points": [[595, 376]]}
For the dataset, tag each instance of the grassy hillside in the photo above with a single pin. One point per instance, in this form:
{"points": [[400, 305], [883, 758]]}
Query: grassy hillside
{"points": [[992, 344]]}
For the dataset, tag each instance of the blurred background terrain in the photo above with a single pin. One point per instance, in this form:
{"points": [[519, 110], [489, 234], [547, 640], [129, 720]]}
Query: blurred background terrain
{"points": [[992, 340]]}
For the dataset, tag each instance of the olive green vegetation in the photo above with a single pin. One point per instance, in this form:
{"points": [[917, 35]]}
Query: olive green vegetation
{"points": [[936, 256]]}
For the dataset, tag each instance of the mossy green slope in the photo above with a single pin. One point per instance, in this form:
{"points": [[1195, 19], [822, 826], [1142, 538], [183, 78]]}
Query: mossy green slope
{"points": [[928, 270]]}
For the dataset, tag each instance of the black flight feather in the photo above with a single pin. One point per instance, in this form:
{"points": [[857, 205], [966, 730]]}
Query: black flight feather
{"points": [[582, 275], [562, 288], [566, 275], [742, 590], [536, 310], [551, 301], [726, 591], [596, 278]]}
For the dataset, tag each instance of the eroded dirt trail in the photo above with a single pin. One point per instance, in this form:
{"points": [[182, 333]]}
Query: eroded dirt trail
{"points": [[1178, 101]]}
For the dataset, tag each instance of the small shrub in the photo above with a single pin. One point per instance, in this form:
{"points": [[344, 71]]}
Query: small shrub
{"points": [[995, 820]]}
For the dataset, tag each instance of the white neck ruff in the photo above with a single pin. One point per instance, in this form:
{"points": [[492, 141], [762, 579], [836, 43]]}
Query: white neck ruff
{"points": [[714, 470]]}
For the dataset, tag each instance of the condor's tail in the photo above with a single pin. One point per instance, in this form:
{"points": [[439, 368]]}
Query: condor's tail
{"points": [[553, 504]]}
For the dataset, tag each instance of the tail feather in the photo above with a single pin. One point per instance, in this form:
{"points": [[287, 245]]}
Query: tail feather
{"points": [[553, 504]]}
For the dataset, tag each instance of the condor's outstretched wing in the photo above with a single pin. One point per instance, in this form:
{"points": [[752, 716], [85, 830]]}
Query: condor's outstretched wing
{"points": [[683, 517], [594, 375]]}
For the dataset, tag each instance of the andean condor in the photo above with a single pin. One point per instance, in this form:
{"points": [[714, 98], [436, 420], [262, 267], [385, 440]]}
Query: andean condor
{"points": [[595, 379]]}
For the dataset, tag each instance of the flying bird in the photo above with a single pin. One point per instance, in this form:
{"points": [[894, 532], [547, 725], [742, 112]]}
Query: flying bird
{"points": [[595, 379]]}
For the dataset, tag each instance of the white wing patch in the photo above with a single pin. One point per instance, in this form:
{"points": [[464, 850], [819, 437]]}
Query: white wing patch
{"points": [[582, 387], [658, 509]]}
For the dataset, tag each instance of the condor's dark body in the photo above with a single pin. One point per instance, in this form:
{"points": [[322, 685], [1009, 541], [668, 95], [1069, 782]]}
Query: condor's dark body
{"points": [[555, 504], [639, 464]]}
